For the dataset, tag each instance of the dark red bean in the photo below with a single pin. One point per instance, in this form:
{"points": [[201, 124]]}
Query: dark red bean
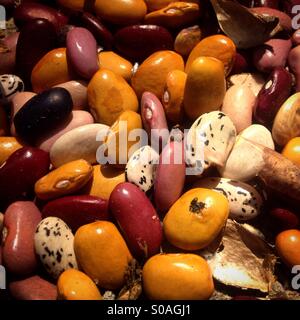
{"points": [[102, 35], [77, 210], [140, 41], [272, 95], [284, 219], [20, 221], [43, 113], [30, 49], [33, 288], [29, 11], [137, 219], [265, 3], [241, 63], [20, 172]]}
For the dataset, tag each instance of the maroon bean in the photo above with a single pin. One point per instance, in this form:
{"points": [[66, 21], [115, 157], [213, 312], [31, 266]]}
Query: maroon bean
{"points": [[240, 64], [154, 119], [287, 6], [294, 64], [8, 53], [170, 176], [274, 4], [284, 19], [20, 172], [284, 219], [29, 11], [20, 221], [140, 41], [272, 54], [30, 49], [102, 35], [137, 219], [33, 288], [272, 95], [77, 210]]}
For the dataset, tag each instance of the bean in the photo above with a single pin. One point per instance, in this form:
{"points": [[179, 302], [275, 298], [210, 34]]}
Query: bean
{"points": [[20, 172], [31, 49], [77, 211], [137, 218], [8, 145], [138, 42], [44, 112], [293, 62], [170, 176], [21, 219], [33, 288], [82, 52], [29, 11], [272, 95]]}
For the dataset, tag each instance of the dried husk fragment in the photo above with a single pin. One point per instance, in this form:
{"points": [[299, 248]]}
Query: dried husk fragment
{"points": [[242, 26], [243, 259], [133, 288], [279, 173]]}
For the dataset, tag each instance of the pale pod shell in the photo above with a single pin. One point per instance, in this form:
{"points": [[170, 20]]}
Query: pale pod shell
{"points": [[140, 168], [244, 201], [245, 160], [79, 143], [254, 81], [215, 134], [54, 245]]}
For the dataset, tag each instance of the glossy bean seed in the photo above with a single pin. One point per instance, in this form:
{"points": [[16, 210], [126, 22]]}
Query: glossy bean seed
{"points": [[137, 218], [293, 62], [33, 288], [21, 220], [272, 95], [77, 211], [138, 42], [82, 52], [20, 172], [64, 180], [43, 112], [31, 49], [187, 39], [8, 145]]}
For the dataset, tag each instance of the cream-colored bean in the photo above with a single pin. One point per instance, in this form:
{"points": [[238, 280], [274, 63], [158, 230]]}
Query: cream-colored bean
{"points": [[254, 81], [79, 143]]}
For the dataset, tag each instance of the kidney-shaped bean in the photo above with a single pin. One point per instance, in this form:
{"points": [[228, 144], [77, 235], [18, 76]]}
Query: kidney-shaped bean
{"points": [[30, 49], [43, 112], [20, 222], [272, 54], [33, 288], [82, 52], [29, 11], [140, 41], [272, 95], [137, 218], [77, 211], [20, 172], [170, 176]]}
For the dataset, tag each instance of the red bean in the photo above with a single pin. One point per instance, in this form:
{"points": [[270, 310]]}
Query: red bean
{"points": [[102, 35], [20, 172], [20, 220], [293, 62], [137, 219], [140, 41], [284, 219], [29, 11], [33, 288], [77, 210], [272, 95], [170, 176], [30, 49]]}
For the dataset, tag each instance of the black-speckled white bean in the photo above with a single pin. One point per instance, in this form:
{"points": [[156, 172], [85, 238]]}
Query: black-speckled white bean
{"points": [[244, 201], [54, 246], [10, 85], [140, 168], [214, 133]]}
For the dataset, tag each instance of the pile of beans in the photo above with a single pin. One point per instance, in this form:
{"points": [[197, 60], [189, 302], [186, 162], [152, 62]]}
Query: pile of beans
{"points": [[73, 228]]}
